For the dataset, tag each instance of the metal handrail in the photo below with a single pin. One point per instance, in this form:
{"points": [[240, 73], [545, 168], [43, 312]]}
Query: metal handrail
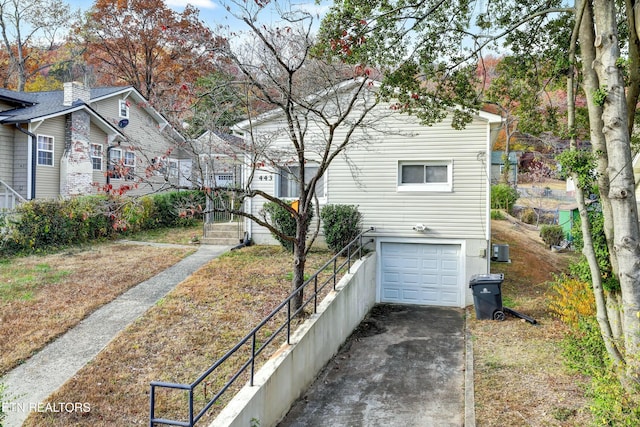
{"points": [[251, 336]]}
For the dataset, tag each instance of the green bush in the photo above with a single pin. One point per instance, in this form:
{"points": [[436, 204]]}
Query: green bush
{"points": [[497, 214], [39, 225], [284, 222], [528, 216], [552, 234], [178, 208], [340, 224], [503, 196]]}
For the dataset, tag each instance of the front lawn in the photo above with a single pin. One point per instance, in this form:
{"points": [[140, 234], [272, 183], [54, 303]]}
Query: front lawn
{"points": [[178, 339]]}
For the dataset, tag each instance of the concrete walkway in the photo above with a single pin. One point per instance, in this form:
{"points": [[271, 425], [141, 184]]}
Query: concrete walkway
{"points": [[31, 383]]}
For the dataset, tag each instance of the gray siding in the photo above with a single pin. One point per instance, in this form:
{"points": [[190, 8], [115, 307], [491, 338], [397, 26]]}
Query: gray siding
{"points": [[99, 137], [48, 177], [21, 163], [144, 136], [6, 154]]}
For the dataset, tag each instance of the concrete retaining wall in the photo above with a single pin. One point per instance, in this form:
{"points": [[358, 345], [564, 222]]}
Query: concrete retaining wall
{"points": [[283, 379]]}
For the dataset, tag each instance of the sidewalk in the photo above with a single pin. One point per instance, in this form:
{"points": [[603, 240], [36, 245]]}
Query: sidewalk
{"points": [[31, 383]]}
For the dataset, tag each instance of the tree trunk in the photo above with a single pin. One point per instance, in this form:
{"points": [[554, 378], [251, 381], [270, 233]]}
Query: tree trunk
{"points": [[624, 216], [299, 254], [602, 312]]}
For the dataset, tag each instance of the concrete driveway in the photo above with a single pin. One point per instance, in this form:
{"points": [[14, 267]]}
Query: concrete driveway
{"points": [[403, 366]]}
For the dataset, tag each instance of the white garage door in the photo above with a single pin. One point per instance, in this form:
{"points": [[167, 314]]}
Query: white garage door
{"points": [[424, 274]]}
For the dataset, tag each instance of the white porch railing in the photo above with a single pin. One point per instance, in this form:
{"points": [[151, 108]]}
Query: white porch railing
{"points": [[9, 198]]}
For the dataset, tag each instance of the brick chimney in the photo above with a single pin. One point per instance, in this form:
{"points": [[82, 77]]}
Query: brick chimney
{"points": [[75, 91]]}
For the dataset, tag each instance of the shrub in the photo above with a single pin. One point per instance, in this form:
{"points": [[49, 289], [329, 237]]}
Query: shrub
{"points": [[284, 222], [552, 234], [503, 196], [497, 214], [177, 208], [571, 299], [528, 216], [340, 224], [39, 225], [141, 214]]}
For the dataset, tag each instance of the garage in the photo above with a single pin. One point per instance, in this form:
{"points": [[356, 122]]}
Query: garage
{"points": [[421, 273]]}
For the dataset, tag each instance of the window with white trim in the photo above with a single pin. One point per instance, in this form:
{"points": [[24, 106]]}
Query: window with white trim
{"points": [[124, 109], [45, 150], [173, 168], [122, 164], [96, 157], [425, 176], [289, 177]]}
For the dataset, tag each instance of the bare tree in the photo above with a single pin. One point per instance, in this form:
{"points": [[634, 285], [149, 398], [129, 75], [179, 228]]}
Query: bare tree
{"points": [[320, 109]]}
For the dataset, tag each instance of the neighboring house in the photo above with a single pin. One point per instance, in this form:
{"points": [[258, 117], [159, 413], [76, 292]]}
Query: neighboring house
{"points": [[497, 166], [220, 159], [73, 141], [425, 189]]}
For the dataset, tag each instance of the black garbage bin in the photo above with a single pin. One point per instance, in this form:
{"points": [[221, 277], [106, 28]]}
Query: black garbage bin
{"points": [[487, 295]]}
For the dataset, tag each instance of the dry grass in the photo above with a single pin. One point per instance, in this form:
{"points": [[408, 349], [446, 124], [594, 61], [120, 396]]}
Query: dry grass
{"points": [[520, 378], [178, 339], [41, 297], [519, 374]]}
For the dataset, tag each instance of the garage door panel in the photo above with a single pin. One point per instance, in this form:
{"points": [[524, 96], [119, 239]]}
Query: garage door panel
{"points": [[426, 274]]}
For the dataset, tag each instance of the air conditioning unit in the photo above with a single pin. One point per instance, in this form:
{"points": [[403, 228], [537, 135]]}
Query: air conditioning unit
{"points": [[501, 253]]}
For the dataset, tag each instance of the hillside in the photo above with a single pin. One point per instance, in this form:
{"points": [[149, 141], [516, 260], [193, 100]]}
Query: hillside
{"points": [[519, 375]]}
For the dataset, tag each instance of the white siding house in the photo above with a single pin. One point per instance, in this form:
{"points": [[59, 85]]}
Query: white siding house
{"points": [[425, 190]]}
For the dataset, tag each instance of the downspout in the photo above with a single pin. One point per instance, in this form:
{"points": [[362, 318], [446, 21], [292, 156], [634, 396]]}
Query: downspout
{"points": [[34, 148]]}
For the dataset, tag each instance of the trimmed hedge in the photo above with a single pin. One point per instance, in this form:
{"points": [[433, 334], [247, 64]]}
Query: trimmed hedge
{"points": [[40, 225], [340, 224]]}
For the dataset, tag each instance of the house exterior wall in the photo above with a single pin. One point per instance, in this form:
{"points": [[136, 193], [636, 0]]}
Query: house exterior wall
{"points": [[48, 177], [21, 163], [6, 154], [459, 214], [145, 138], [97, 136], [369, 175]]}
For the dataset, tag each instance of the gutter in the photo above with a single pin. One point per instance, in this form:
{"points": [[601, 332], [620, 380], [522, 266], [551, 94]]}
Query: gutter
{"points": [[34, 149]]}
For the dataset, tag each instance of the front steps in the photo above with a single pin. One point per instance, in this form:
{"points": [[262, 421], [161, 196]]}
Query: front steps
{"points": [[223, 233]]}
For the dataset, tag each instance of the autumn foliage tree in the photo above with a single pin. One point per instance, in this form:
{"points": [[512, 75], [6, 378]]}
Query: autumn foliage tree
{"points": [[30, 32], [145, 44]]}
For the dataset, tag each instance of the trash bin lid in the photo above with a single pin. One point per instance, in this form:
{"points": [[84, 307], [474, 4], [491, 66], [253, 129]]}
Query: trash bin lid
{"points": [[492, 278]]}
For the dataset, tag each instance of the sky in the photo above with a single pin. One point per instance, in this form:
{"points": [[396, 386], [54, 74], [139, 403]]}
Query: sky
{"points": [[211, 11]]}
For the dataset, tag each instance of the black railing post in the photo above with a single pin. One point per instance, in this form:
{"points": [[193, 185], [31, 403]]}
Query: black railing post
{"points": [[315, 294], [289, 322], [152, 404], [253, 356], [191, 407], [335, 263]]}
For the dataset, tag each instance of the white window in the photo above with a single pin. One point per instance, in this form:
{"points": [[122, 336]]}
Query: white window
{"points": [[173, 168], [288, 181], [425, 176], [124, 109], [122, 165], [45, 150], [130, 164], [96, 156]]}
